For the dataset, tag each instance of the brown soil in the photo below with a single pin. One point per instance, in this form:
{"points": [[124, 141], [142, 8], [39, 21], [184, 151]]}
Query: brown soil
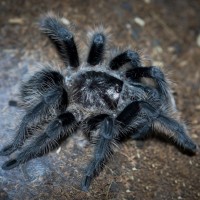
{"points": [[150, 169]]}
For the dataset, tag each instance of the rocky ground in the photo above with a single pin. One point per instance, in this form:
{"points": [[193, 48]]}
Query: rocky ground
{"points": [[168, 34]]}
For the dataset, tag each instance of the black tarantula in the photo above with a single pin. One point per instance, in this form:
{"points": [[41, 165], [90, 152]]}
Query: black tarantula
{"points": [[109, 101]]}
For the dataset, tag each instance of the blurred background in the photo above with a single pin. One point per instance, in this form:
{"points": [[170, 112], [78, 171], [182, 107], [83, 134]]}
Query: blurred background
{"points": [[168, 35]]}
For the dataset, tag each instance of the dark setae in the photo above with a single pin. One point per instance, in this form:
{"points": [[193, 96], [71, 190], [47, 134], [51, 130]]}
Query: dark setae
{"points": [[110, 100]]}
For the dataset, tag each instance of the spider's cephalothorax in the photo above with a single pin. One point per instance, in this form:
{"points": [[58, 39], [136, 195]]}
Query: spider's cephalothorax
{"points": [[97, 89], [109, 101]]}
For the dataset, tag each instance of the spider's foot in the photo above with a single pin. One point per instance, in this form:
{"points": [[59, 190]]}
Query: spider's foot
{"points": [[7, 150], [190, 147], [86, 183], [10, 164], [128, 56]]}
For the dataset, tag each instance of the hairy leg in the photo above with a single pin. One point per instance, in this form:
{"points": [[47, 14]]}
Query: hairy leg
{"points": [[63, 126], [32, 90], [103, 151], [175, 130], [156, 75], [97, 49], [62, 39], [128, 56], [140, 118], [51, 98]]}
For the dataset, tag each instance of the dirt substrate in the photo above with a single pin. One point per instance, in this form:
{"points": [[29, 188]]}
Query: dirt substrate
{"points": [[167, 32]]}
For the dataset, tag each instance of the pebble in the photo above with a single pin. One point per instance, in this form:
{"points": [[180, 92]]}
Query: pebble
{"points": [[198, 40], [158, 63], [194, 136], [16, 21], [183, 63], [197, 107], [134, 169], [128, 26], [139, 21], [58, 150], [138, 155], [157, 50], [195, 121], [171, 49], [65, 21]]}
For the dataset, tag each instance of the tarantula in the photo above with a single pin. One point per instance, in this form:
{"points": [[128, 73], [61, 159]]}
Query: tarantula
{"points": [[109, 101]]}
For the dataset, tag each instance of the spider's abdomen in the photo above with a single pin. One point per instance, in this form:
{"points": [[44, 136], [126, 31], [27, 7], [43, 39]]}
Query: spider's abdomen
{"points": [[97, 90]]}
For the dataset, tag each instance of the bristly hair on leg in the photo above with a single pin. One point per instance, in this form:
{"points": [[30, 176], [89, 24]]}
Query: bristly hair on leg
{"points": [[125, 57], [98, 43], [54, 101], [62, 39], [103, 151], [33, 89], [63, 126], [145, 59], [115, 51], [175, 130]]}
